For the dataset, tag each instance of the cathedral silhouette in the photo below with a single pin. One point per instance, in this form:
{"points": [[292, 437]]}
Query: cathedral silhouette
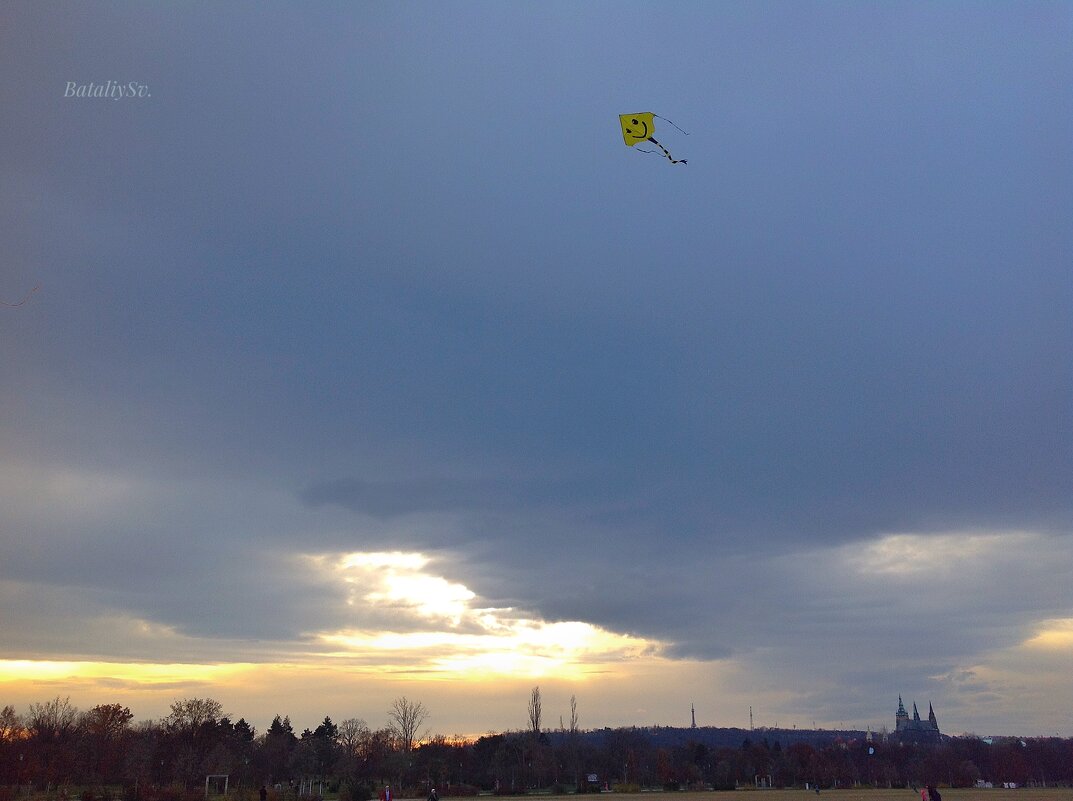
{"points": [[915, 729]]}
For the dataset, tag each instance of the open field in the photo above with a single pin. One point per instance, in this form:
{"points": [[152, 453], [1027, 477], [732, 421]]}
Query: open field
{"points": [[853, 794], [749, 794]]}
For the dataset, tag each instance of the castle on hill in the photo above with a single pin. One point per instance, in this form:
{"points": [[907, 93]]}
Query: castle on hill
{"points": [[915, 729]]}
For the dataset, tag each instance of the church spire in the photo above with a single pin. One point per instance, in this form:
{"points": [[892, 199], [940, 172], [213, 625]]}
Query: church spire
{"points": [[916, 715]]}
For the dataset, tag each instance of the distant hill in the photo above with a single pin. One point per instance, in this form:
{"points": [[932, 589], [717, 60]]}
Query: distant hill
{"points": [[713, 737]]}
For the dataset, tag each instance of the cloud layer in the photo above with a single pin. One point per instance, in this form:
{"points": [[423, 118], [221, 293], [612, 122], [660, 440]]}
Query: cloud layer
{"points": [[788, 426]]}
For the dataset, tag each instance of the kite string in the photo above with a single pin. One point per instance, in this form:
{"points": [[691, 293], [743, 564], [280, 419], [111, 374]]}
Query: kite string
{"points": [[671, 122], [15, 305]]}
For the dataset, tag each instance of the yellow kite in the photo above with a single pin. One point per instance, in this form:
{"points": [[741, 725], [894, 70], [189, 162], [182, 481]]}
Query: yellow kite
{"points": [[640, 127]]}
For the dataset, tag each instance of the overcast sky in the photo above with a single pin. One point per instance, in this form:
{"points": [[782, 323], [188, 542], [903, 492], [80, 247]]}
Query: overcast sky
{"points": [[367, 361]]}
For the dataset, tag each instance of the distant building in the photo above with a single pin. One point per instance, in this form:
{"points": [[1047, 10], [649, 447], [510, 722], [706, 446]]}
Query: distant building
{"points": [[915, 729]]}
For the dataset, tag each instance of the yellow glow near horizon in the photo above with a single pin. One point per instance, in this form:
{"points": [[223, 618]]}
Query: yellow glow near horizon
{"points": [[136, 672], [532, 648], [483, 666], [507, 648]]}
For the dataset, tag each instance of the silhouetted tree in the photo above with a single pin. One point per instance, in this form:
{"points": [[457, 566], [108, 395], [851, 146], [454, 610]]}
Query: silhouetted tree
{"points": [[53, 731], [106, 727], [535, 711], [275, 749], [406, 718], [59, 744], [12, 735]]}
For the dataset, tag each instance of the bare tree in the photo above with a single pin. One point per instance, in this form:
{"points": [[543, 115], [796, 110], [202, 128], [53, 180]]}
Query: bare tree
{"points": [[573, 741], [190, 714], [406, 718], [53, 720], [53, 728], [534, 711], [108, 721], [353, 732]]}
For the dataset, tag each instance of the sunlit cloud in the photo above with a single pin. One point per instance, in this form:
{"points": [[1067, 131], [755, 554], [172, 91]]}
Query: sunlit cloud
{"points": [[430, 596], [1020, 686], [385, 611], [394, 560], [531, 648], [508, 647], [409, 624], [919, 555], [399, 580], [1054, 635], [448, 635]]}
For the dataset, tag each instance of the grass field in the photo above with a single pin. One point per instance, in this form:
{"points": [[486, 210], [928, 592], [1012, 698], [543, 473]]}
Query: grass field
{"points": [[856, 794]]}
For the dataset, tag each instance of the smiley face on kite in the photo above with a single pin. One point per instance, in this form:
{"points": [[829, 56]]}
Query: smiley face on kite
{"points": [[639, 128]]}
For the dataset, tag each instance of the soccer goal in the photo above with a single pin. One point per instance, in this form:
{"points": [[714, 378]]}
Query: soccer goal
{"points": [[216, 784]]}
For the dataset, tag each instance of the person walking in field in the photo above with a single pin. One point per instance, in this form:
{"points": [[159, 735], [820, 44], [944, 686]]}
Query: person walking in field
{"points": [[933, 794]]}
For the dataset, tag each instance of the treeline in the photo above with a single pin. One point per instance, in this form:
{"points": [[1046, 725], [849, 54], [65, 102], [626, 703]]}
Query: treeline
{"points": [[55, 745]]}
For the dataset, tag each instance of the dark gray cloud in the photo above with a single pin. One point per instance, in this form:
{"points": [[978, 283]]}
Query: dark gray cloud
{"points": [[359, 279]]}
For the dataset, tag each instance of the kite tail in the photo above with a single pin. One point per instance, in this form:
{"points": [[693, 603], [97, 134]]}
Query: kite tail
{"points": [[665, 153]]}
